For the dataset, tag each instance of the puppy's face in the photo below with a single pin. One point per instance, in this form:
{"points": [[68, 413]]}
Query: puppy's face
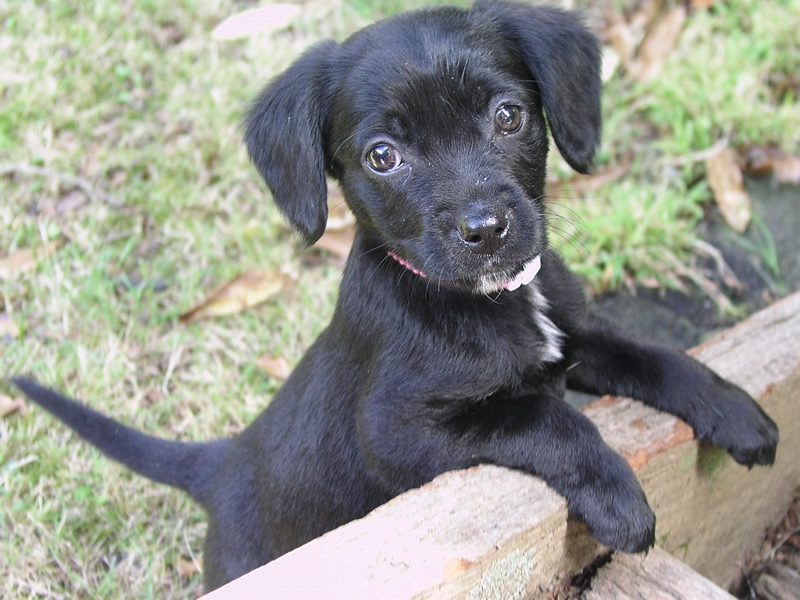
{"points": [[434, 124], [440, 147]]}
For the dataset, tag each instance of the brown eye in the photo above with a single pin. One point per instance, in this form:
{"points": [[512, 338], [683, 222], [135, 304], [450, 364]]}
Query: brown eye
{"points": [[383, 158], [508, 118]]}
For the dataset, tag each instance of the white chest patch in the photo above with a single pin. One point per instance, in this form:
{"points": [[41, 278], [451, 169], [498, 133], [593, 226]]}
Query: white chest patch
{"points": [[553, 336]]}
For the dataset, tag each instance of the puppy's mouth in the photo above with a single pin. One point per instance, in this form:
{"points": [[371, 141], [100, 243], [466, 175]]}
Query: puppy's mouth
{"points": [[485, 284]]}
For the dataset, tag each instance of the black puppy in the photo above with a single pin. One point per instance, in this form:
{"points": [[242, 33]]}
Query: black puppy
{"points": [[457, 329]]}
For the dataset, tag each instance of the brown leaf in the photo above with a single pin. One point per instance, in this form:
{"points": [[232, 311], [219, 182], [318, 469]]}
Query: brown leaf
{"points": [[71, 201], [786, 169], [276, 366], [704, 4], [338, 243], [619, 36], [240, 293], [8, 327], [265, 19], [580, 185], [188, 567], [725, 178], [25, 259], [10, 405], [339, 215], [659, 41], [760, 161]]}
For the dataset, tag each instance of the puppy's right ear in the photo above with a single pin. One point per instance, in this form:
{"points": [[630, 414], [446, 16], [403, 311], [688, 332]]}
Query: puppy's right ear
{"points": [[283, 136]]}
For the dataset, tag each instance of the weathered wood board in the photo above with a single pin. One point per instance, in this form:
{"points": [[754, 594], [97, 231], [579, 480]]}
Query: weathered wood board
{"points": [[656, 576], [491, 533]]}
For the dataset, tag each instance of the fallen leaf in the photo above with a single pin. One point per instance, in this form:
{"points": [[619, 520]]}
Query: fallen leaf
{"points": [[338, 243], [276, 366], [704, 4], [240, 293], [786, 169], [619, 35], [265, 19], [10, 405], [188, 567], [25, 259], [71, 201], [7, 327], [659, 41], [339, 215], [760, 161], [580, 185], [725, 178]]}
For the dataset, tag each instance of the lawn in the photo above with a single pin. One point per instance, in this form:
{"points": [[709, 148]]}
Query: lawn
{"points": [[126, 196]]}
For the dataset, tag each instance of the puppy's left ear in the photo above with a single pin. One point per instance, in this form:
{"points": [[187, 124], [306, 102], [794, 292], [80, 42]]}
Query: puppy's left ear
{"points": [[564, 59], [283, 136]]}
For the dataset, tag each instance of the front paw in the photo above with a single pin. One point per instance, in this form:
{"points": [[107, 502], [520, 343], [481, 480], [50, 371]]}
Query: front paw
{"points": [[615, 509], [736, 423]]}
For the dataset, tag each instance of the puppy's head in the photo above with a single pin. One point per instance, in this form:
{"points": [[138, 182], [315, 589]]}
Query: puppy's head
{"points": [[434, 124]]}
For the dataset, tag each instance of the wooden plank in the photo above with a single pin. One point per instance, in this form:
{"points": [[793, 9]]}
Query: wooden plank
{"points": [[710, 511], [494, 533], [656, 576]]}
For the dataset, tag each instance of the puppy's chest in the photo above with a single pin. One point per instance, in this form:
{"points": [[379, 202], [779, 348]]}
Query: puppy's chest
{"points": [[552, 337], [490, 349]]}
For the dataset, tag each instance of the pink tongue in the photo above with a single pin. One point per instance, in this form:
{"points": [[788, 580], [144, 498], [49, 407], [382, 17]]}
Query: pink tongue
{"points": [[525, 276]]}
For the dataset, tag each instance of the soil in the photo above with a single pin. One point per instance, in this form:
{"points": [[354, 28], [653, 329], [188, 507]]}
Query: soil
{"points": [[685, 320]]}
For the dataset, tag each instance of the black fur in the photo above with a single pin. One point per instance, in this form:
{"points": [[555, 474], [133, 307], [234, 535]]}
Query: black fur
{"points": [[429, 363]]}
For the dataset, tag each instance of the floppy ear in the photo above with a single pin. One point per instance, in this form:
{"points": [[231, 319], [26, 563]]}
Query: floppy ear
{"points": [[564, 59], [283, 136]]}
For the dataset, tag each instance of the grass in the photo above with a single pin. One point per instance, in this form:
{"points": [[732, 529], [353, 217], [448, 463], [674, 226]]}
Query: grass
{"points": [[131, 112]]}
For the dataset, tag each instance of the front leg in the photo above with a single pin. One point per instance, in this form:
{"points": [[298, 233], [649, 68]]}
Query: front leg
{"points": [[604, 361], [410, 442]]}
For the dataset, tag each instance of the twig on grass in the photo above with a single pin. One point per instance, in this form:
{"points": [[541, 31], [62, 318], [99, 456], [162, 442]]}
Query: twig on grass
{"points": [[79, 182]]}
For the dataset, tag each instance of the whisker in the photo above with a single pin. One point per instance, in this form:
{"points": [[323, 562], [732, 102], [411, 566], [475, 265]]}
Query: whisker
{"points": [[339, 147]]}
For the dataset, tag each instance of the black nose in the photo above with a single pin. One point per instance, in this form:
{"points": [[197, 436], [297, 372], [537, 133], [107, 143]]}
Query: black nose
{"points": [[484, 234]]}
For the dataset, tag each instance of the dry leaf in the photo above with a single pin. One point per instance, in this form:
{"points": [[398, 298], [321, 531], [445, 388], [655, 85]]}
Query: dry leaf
{"points": [[72, 200], [255, 21], [786, 169], [188, 567], [725, 178], [580, 185], [339, 215], [276, 366], [338, 243], [25, 259], [619, 35], [659, 41], [10, 405], [240, 293], [704, 4], [7, 327], [760, 161]]}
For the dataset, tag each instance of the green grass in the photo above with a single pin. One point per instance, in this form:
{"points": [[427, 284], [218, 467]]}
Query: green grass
{"points": [[732, 76], [138, 101]]}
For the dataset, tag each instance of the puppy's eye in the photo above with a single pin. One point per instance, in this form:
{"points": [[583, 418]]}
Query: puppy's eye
{"points": [[384, 158], [508, 118]]}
